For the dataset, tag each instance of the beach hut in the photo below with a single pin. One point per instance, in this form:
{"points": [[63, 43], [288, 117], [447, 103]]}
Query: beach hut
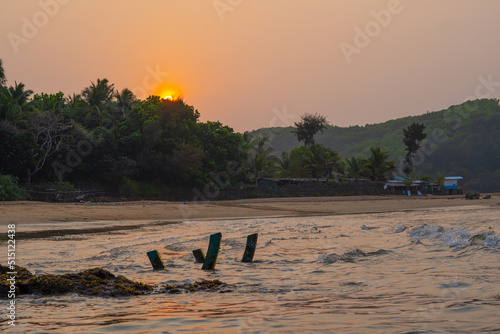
{"points": [[453, 185]]}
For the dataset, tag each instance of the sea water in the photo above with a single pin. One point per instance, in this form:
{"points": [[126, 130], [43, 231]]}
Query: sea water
{"points": [[422, 271]]}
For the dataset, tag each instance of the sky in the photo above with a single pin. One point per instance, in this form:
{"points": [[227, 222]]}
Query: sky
{"points": [[261, 63]]}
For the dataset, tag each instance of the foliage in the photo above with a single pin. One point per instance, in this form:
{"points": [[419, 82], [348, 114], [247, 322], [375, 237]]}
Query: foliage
{"points": [[9, 188], [261, 161], [308, 126], [355, 167], [461, 140], [413, 136], [320, 161], [378, 164]]}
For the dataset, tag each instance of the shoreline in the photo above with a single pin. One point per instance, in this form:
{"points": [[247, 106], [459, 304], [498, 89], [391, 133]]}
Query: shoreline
{"points": [[40, 220]]}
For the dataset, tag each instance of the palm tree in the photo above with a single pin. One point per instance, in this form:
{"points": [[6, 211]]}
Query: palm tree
{"points": [[14, 100], [261, 160], [97, 96], [284, 163], [378, 164], [126, 101], [321, 161], [355, 167], [3, 79]]}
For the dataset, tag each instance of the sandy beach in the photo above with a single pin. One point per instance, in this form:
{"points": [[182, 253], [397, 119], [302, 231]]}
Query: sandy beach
{"points": [[38, 212]]}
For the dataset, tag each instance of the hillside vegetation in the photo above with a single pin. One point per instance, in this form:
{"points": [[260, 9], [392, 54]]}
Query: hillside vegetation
{"points": [[461, 140]]}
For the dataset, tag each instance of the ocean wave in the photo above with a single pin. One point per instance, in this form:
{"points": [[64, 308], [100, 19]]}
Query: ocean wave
{"points": [[454, 237]]}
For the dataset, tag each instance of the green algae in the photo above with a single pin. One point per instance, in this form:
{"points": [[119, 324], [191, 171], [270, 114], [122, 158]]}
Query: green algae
{"points": [[93, 282], [204, 285]]}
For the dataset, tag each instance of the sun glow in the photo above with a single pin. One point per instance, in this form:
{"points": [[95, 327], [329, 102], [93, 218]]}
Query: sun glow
{"points": [[168, 91]]}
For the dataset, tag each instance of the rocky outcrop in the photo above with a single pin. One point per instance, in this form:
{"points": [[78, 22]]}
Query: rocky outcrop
{"points": [[472, 196], [91, 282]]}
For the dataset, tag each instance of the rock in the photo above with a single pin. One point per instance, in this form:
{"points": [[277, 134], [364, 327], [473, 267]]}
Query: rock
{"points": [[472, 196], [204, 285], [400, 228], [487, 197], [94, 282], [479, 238], [364, 227]]}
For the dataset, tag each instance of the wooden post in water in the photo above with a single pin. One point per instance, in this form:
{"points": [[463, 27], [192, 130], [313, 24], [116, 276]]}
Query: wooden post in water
{"points": [[212, 252], [199, 256], [250, 248], [155, 259]]}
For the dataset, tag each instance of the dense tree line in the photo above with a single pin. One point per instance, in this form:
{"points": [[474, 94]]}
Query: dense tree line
{"points": [[461, 140], [104, 137], [109, 138]]}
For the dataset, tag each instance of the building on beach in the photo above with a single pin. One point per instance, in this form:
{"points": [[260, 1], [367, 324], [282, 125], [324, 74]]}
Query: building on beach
{"points": [[453, 185], [424, 187]]}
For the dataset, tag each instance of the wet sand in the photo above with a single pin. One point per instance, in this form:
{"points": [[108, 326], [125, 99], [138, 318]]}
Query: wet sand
{"points": [[33, 213]]}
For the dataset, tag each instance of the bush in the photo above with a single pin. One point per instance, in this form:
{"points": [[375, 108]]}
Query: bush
{"points": [[10, 189]]}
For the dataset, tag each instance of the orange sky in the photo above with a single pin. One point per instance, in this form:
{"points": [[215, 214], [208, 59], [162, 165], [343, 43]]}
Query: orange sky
{"points": [[261, 63]]}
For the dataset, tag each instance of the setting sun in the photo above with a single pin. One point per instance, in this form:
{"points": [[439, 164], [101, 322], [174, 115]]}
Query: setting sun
{"points": [[168, 91]]}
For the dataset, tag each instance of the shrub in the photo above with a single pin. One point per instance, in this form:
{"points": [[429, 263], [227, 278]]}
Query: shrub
{"points": [[10, 189]]}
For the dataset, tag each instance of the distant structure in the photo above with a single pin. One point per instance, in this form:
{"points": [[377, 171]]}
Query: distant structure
{"points": [[275, 183], [424, 187], [453, 185]]}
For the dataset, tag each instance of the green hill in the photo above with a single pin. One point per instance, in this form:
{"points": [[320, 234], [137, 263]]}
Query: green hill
{"points": [[461, 140]]}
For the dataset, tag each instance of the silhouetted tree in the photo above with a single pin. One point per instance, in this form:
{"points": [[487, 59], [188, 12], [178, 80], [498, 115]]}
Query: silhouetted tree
{"points": [[3, 79], [320, 160], [413, 137], [355, 168], [261, 160], [125, 100], [98, 95], [14, 101], [378, 164], [308, 126]]}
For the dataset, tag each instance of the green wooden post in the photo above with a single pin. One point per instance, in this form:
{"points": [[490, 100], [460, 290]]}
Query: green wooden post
{"points": [[199, 256], [155, 259], [212, 252], [250, 248]]}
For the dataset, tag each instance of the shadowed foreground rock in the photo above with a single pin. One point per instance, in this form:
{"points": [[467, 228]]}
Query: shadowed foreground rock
{"points": [[90, 282], [204, 285], [93, 282]]}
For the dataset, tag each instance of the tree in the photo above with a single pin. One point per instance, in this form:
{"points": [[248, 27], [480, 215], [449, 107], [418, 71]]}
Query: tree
{"points": [[355, 168], [413, 137], [97, 96], [51, 132], [320, 160], [284, 164], [261, 160], [308, 126], [14, 101], [378, 164], [126, 101], [3, 79]]}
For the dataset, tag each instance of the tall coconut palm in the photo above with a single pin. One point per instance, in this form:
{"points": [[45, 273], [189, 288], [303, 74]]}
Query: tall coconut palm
{"points": [[14, 101], [261, 160], [284, 163], [320, 160], [355, 167], [378, 164], [126, 101], [97, 96]]}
